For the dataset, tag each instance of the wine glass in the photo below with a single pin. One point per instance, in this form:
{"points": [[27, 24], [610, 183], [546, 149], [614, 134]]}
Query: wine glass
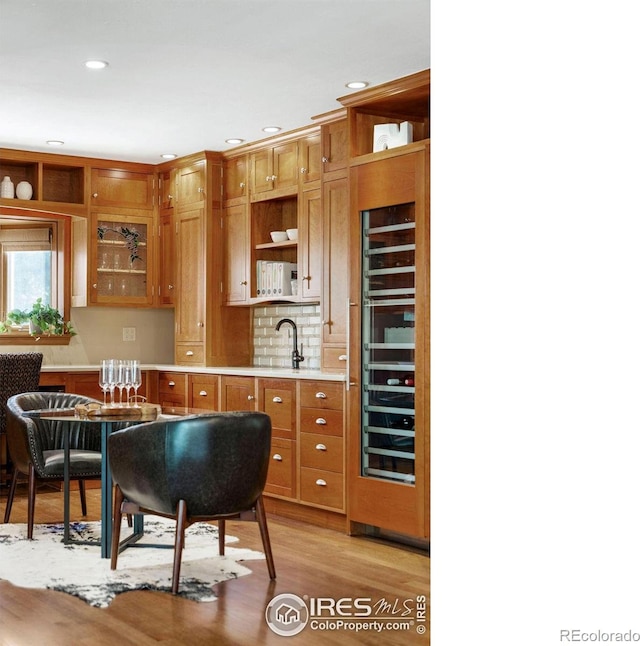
{"points": [[111, 377], [103, 379], [119, 374], [136, 379], [128, 378]]}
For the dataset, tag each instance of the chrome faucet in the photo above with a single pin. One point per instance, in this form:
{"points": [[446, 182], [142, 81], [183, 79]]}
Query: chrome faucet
{"points": [[296, 357]]}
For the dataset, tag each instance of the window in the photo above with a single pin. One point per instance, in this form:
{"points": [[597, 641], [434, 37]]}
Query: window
{"points": [[28, 267]]}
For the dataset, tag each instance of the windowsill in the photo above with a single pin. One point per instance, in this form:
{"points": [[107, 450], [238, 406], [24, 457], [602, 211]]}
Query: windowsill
{"points": [[24, 338]]}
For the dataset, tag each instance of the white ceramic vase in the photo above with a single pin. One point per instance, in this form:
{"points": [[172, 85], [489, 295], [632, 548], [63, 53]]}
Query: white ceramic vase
{"points": [[24, 191], [6, 188]]}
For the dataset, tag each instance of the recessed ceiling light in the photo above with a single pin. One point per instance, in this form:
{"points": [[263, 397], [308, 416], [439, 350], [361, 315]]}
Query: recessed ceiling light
{"points": [[357, 85], [168, 156], [234, 140], [272, 129], [96, 65], [55, 142]]}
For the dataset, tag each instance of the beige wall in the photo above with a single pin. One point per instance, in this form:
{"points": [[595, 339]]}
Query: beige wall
{"points": [[100, 337]]}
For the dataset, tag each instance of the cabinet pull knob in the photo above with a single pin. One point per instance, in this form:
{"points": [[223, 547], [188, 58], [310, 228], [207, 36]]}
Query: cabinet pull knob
{"points": [[95, 195], [325, 160], [200, 189], [200, 324], [203, 393], [242, 184], [321, 421], [321, 447], [342, 357], [274, 178], [277, 400], [303, 170], [172, 384], [95, 285], [189, 353], [321, 483], [277, 457], [267, 178], [169, 197], [250, 398], [170, 286], [320, 395]]}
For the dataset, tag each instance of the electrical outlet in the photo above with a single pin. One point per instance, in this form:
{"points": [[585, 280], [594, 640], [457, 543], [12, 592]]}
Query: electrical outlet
{"points": [[128, 334]]}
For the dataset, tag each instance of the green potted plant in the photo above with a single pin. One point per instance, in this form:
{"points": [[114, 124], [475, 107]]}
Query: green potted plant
{"points": [[43, 320]]}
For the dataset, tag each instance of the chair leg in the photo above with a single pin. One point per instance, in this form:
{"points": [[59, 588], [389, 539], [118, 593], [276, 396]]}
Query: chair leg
{"points": [[83, 497], [31, 505], [264, 533], [221, 531], [181, 525], [12, 491], [118, 499]]}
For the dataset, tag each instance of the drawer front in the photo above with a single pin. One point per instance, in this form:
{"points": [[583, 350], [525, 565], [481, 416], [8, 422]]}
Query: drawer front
{"points": [[204, 392], [281, 475], [334, 358], [189, 353], [321, 452], [280, 405], [320, 487], [328, 394], [318, 420], [172, 383]]}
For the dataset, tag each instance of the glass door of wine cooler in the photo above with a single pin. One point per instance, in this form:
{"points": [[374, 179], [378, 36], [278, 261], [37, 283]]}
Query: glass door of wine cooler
{"points": [[388, 343]]}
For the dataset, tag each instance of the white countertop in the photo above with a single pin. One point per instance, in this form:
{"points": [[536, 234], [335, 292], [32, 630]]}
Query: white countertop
{"points": [[247, 371]]}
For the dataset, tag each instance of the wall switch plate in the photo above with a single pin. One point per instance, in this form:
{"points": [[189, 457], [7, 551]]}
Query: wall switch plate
{"points": [[128, 334]]}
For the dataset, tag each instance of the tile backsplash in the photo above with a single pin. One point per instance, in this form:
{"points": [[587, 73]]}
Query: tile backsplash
{"points": [[273, 349]]}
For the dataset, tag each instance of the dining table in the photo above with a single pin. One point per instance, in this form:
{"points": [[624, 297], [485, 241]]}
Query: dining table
{"points": [[108, 422]]}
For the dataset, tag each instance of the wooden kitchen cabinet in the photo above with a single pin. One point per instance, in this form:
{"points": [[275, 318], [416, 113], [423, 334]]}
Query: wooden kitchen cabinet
{"points": [[237, 393], [335, 146], [165, 263], [310, 245], [335, 288], [172, 389], [121, 269], [236, 179], [122, 189], [310, 161], [274, 171], [236, 254]]}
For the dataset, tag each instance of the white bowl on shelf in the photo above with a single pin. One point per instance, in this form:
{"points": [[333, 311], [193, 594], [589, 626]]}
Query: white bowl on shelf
{"points": [[292, 234], [279, 236]]}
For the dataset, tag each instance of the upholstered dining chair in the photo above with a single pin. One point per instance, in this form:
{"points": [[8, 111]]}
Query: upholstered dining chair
{"points": [[19, 373], [36, 447], [191, 469]]}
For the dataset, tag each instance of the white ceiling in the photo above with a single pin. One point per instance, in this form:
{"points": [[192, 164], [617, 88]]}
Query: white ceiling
{"points": [[184, 75]]}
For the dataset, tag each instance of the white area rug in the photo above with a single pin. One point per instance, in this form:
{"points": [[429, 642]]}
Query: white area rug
{"points": [[46, 562]]}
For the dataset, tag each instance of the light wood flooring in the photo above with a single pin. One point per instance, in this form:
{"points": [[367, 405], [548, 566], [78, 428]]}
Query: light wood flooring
{"points": [[309, 561]]}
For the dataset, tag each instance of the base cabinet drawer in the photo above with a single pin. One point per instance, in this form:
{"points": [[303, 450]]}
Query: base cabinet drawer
{"points": [[326, 394], [203, 392], [321, 487], [189, 354], [321, 420], [281, 475], [321, 452], [172, 389]]}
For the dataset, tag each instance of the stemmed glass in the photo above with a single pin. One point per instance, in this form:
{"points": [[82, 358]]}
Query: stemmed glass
{"points": [[128, 378], [119, 369], [136, 379], [104, 379]]}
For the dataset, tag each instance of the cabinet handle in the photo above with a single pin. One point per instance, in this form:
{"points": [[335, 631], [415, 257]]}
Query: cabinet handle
{"points": [[321, 421], [268, 178], [170, 286], [303, 170], [169, 197], [172, 384], [342, 357], [306, 278], [277, 400], [321, 447], [250, 398], [244, 282], [189, 353], [320, 395], [321, 483], [325, 160], [200, 324], [277, 457], [274, 178], [95, 285], [203, 393], [242, 184], [95, 195], [200, 189]]}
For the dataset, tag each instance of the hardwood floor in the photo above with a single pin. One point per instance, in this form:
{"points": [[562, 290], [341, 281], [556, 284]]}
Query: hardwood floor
{"points": [[309, 561]]}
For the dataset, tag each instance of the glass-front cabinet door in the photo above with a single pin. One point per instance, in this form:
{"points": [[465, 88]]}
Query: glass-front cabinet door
{"points": [[388, 343], [120, 261]]}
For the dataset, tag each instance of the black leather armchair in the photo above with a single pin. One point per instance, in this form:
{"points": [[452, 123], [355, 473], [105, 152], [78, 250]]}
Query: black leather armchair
{"points": [[36, 450], [191, 469]]}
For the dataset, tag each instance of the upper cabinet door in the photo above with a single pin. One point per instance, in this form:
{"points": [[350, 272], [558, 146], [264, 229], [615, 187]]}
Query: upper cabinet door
{"points": [[121, 189], [310, 162], [335, 146], [191, 185], [236, 171], [274, 171]]}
